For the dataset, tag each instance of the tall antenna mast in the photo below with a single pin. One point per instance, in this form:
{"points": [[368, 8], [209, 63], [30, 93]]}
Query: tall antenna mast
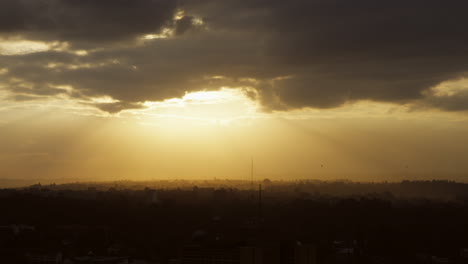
{"points": [[259, 203], [252, 175]]}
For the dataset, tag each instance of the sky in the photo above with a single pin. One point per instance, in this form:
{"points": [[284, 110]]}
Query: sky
{"points": [[194, 89]]}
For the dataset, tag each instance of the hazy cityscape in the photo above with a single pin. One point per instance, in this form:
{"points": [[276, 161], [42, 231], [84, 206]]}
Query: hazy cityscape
{"points": [[228, 221]]}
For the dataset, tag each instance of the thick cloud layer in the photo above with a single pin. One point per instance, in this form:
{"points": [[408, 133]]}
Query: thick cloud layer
{"points": [[83, 21], [290, 54]]}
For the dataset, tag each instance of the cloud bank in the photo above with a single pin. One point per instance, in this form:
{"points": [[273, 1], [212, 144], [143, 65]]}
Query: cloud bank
{"points": [[284, 54]]}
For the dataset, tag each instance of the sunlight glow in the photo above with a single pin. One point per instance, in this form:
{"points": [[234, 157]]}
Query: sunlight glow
{"points": [[450, 88], [210, 96], [21, 47], [204, 107]]}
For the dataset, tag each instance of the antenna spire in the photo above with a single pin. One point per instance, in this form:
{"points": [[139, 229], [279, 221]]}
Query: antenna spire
{"points": [[252, 173]]}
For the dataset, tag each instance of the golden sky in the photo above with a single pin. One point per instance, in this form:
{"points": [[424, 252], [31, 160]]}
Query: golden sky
{"points": [[215, 134], [194, 89]]}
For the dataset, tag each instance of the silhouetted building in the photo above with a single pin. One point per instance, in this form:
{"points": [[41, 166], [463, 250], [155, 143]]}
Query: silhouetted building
{"points": [[305, 254], [45, 259], [251, 255], [195, 254]]}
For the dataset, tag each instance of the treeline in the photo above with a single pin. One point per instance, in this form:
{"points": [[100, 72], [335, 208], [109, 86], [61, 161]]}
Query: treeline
{"points": [[431, 189]]}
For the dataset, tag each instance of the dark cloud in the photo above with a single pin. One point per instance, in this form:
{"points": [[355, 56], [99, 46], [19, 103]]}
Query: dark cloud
{"points": [[82, 21], [449, 97], [314, 53], [337, 50], [116, 107], [184, 24]]}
